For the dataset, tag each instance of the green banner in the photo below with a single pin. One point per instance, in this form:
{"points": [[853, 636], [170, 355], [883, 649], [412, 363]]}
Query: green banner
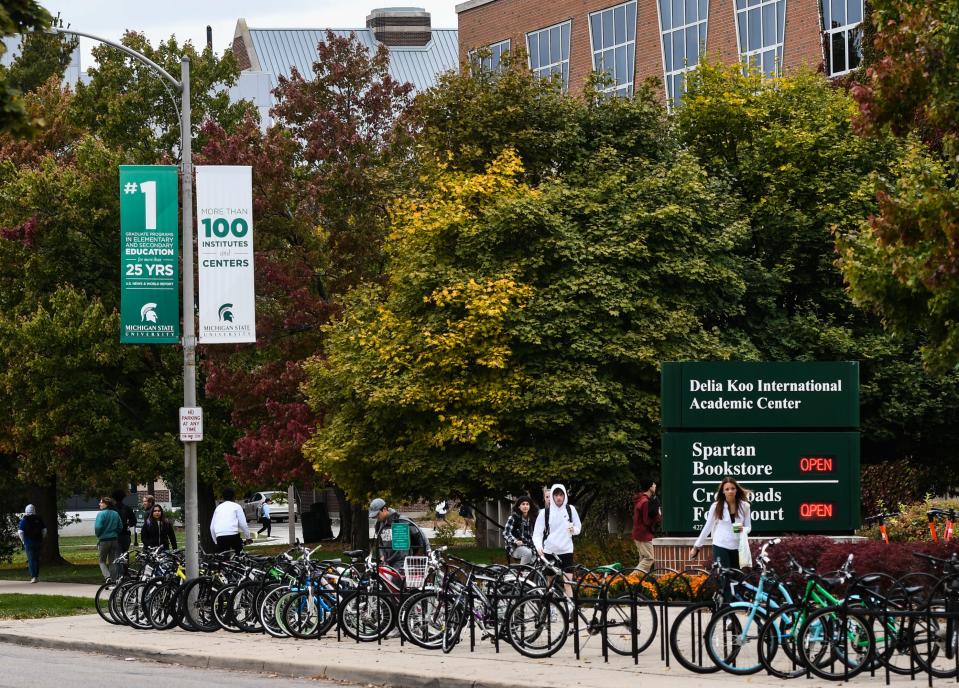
{"points": [[401, 536], [799, 481], [149, 255], [739, 395]]}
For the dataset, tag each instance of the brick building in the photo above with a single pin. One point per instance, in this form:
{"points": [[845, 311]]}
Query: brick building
{"points": [[637, 39]]}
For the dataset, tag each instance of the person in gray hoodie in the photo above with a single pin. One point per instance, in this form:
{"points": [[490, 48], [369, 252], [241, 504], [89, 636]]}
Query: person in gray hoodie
{"points": [[556, 525]]}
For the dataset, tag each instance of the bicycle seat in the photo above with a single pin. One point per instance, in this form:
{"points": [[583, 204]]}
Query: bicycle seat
{"points": [[355, 553], [832, 579], [871, 579], [609, 568], [911, 590]]}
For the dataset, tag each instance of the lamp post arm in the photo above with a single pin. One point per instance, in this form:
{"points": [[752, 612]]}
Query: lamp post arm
{"points": [[129, 51]]}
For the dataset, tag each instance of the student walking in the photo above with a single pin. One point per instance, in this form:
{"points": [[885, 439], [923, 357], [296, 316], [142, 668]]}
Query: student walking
{"points": [[518, 532], [228, 523], [157, 531], [645, 517], [265, 522], [107, 528], [556, 525], [729, 523], [31, 532]]}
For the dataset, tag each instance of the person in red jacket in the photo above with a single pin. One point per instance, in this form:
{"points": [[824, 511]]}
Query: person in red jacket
{"points": [[645, 517]]}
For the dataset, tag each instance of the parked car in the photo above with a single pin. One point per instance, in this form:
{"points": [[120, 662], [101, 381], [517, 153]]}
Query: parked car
{"points": [[278, 509]]}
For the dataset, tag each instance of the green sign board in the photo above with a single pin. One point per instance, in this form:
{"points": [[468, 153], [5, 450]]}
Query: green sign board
{"points": [[799, 481], [149, 254], [401, 536], [739, 395]]}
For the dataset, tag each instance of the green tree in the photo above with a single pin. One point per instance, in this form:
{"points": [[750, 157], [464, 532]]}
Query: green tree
{"points": [[18, 17], [519, 336], [41, 56]]}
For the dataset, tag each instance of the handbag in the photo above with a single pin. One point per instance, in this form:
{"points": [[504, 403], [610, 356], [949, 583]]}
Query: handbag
{"points": [[745, 555]]}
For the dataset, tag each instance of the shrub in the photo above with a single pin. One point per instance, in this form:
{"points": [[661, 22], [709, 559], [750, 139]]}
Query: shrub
{"points": [[911, 525], [445, 534], [887, 484]]}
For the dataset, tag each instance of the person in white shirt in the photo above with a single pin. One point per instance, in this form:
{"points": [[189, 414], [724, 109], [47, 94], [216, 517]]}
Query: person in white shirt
{"points": [[265, 522], [555, 535], [228, 522], [727, 522]]}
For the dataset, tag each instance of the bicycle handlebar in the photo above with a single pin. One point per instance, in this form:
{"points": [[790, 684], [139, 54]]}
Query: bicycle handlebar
{"points": [[880, 517]]}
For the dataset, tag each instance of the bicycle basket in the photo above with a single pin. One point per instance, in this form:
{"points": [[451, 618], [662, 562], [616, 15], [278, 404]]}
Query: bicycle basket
{"points": [[414, 569]]}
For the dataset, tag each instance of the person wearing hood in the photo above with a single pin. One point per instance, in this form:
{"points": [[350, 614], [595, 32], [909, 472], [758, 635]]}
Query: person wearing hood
{"points": [[556, 525], [386, 518], [645, 517], [31, 532]]}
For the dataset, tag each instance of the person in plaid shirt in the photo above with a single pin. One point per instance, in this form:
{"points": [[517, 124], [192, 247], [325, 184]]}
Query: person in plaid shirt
{"points": [[518, 533]]}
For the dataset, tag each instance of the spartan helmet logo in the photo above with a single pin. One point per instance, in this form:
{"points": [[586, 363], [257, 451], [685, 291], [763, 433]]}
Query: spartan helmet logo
{"points": [[148, 313], [226, 312]]}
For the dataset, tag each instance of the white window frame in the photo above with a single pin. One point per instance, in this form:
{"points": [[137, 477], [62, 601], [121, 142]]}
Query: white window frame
{"points": [[487, 62], [669, 75], [629, 86], [843, 29], [746, 56], [545, 70]]}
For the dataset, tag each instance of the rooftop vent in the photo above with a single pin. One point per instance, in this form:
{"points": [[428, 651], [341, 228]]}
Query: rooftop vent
{"points": [[398, 26]]}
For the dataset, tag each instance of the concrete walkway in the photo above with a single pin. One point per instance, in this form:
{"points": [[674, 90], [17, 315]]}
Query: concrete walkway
{"points": [[369, 663], [44, 588]]}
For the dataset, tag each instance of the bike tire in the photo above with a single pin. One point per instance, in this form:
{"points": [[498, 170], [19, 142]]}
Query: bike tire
{"points": [[842, 629], [538, 626], [730, 639], [101, 601], [420, 621], [268, 611], [618, 624], [692, 655], [366, 617], [196, 598]]}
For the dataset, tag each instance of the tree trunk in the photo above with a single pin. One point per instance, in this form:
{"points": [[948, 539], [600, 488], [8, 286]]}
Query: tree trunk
{"points": [[44, 498], [361, 527], [206, 503], [346, 516]]}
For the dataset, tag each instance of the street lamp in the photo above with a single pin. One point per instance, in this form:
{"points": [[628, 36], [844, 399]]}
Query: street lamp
{"points": [[190, 516]]}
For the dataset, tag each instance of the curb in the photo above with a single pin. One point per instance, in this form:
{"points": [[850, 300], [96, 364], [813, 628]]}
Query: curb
{"points": [[349, 674]]}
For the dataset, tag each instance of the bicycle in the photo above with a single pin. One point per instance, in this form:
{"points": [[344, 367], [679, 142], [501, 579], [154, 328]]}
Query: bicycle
{"points": [[949, 515], [880, 518]]}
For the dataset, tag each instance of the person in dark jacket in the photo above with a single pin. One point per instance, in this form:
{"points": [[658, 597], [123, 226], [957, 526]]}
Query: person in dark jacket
{"points": [[157, 531], [128, 519], [645, 517], [32, 531], [518, 532], [386, 518]]}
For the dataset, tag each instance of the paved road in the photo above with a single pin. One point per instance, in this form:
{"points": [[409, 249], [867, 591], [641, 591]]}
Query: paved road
{"points": [[42, 668]]}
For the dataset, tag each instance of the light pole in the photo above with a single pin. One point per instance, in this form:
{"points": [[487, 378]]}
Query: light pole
{"points": [[190, 516]]}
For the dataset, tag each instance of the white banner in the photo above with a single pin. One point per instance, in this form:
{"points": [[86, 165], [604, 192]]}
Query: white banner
{"points": [[224, 209]]}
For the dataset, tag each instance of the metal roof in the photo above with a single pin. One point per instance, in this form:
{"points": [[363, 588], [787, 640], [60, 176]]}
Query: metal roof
{"points": [[279, 49]]}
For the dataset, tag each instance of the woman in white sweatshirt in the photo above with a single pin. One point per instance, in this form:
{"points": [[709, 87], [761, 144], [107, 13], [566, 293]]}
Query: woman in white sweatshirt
{"points": [[727, 522]]}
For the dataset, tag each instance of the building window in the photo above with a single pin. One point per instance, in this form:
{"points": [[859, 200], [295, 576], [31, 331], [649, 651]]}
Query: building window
{"points": [[683, 27], [549, 52], [492, 60], [761, 25], [842, 22], [612, 33]]}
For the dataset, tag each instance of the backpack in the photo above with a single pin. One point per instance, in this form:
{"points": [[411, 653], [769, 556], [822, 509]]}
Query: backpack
{"points": [[33, 528], [569, 513]]}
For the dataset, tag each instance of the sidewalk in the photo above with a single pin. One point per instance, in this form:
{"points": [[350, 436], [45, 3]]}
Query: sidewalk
{"points": [[44, 588], [367, 663]]}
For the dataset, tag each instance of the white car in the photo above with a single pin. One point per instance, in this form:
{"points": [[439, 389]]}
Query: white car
{"points": [[278, 509]]}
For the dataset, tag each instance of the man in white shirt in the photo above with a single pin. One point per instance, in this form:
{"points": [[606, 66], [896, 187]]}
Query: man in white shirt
{"points": [[554, 530], [228, 522]]}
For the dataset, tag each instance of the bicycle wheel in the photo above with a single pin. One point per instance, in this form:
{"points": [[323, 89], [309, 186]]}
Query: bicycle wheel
{"points": [[102, 602], [134, 611], [732, 638], [620, 628], [935, 641], [777, 643], [537, 626], [366, 616], [453, 629], [244, 609], [422, 619], [268, 611], [116, 600], [163, 607], [307, 615], [687, 638], [196, 599], [223, 609], [836, 643]]}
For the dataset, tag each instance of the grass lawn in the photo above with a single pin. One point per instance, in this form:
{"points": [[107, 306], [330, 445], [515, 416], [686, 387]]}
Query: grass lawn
{"points": [[16, 606], [84, 572]]}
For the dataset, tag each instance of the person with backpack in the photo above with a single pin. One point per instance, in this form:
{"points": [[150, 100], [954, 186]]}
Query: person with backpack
{"points": [[31, 532], [556, 525], [645, 518], [386, 518], [518, 531], [128, 519]]}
